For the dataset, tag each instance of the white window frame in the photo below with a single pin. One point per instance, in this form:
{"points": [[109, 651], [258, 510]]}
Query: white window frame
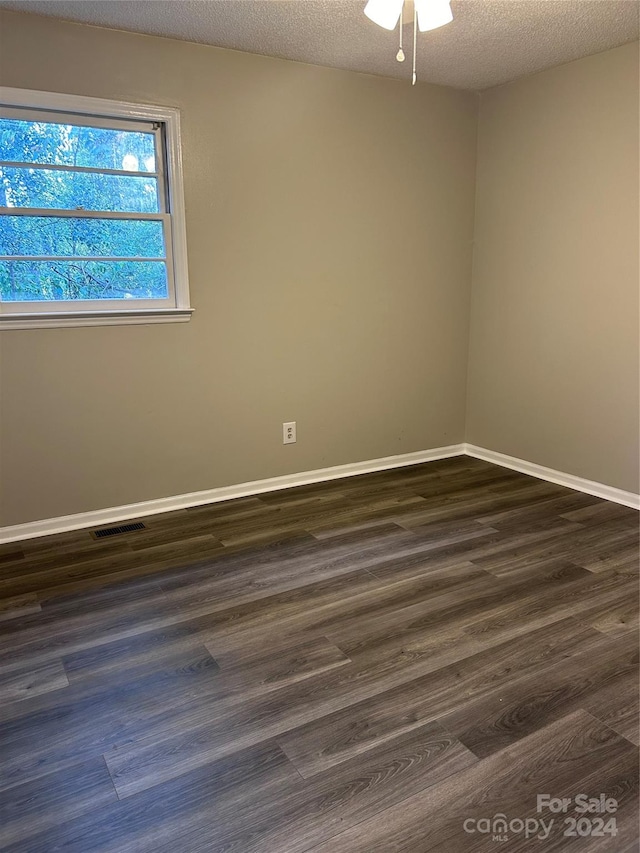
{"points": [[177, 307]]}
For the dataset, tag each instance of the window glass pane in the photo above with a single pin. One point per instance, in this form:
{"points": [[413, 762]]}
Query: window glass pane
{"points": [[49, 235], [72, 145], [50, 188], [54, 281]]}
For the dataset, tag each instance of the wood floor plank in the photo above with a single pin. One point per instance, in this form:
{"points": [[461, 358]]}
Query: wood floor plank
{"points": [[217, 593], [21, 684], [606, 557], [484, 611], [618, 707], [53, 732], [327, 741], [359, 599], [403, 607], [562, 758], [134, 657], [407, 684], [10, 552], [588, 547], [308, 517], [355, 665], [92, 571], [564, 507], [76, 552], [297, 820], [600, 511], [589, 680], [21, 605], [47, 635], [40, 806], [574, 596], [161, 819], [283, 664], [485, 552], [475, 501], [616, 616]]}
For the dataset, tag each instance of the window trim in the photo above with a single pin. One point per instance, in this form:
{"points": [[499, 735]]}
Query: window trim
{"points": [[171, 185]]}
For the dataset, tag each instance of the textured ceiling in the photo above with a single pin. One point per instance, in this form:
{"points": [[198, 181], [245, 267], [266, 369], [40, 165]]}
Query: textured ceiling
{"points": [[488, 43]]}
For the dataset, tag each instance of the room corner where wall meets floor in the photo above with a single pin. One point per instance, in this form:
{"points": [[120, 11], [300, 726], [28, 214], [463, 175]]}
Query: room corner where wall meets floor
{"points": [[331, 218], [113, 515], [319, 292], [554, 356]]}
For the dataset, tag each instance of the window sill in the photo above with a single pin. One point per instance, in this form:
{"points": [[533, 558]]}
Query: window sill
{"points": [[56, 320]]}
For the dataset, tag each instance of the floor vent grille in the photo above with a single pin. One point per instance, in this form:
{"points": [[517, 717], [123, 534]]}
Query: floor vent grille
{"points": [[121, 528]]}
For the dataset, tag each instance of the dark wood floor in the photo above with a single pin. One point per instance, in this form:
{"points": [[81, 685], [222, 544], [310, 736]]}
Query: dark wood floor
{"points": [[354, 667]]}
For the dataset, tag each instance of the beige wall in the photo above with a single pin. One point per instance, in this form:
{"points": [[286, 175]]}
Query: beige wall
{"points": [[330, 220], [553, 363]]}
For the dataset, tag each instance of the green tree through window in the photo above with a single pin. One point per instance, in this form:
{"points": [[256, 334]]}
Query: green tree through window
{"points": [[82, 212]]}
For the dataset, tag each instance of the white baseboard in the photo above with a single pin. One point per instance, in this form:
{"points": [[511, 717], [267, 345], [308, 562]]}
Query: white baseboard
{"points": [[600, 490], [113, 515]]}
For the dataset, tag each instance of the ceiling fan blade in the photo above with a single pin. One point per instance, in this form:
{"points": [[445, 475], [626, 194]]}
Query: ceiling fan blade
{"points": [[385, 13], [433, 14]]}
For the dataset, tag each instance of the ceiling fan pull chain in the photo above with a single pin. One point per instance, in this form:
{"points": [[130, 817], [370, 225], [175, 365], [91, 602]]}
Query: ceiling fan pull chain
{"points": [[400, 53], [415, 41]]}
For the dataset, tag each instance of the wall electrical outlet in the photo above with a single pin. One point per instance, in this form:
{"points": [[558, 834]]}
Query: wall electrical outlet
{"points": [[289, 433]]}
